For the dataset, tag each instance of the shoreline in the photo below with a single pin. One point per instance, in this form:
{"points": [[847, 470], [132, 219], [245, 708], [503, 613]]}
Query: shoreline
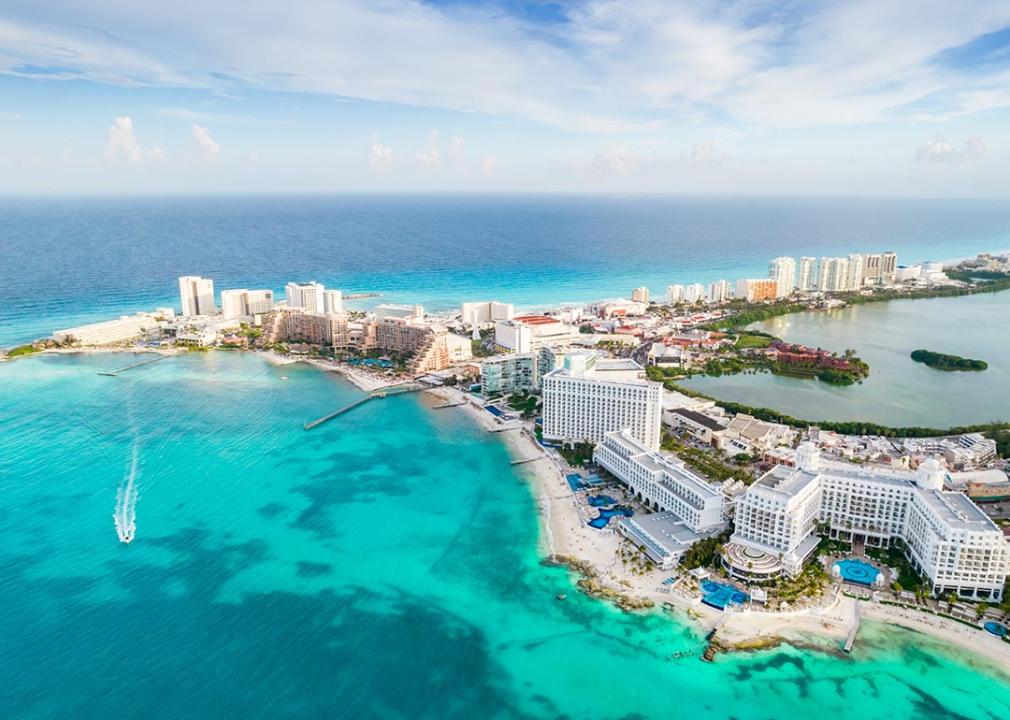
{"points": [[564, 537]]}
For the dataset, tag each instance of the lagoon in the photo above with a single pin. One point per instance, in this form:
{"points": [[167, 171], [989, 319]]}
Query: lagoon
{"points": [[899, 391]]}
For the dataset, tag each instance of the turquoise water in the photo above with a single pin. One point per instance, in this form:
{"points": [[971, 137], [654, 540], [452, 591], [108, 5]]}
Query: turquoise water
{"points": [[899, 391], [381, 565], [857, 571]]}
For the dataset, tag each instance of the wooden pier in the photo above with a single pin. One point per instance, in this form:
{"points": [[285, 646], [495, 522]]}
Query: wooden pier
{"points": [[851, 638], [114, 373], [443, 406], [400, 389], [527, 460]]}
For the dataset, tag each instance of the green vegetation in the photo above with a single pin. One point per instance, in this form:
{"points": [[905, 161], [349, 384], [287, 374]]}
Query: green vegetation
{"points": [[753, 339], [704, 553], [23, 351], [524, 403], [756, 314], [950, 363], [577, 454], [1002, 437], [908, 579], [706, 463], [809, 583]]}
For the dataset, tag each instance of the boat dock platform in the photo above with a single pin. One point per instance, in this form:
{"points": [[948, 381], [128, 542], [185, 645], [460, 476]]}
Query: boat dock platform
{"points": [[114, 373], [851, 638], [443, 406]]}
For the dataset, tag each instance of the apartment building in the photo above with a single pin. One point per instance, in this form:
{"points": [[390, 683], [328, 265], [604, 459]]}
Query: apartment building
{"points": [[196, 295], [783, 271], [504, 374]]}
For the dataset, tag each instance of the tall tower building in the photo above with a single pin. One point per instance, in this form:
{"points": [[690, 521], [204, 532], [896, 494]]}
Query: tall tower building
{"points": [[807, 279], [888, 266], [783, 271], [856, 273], [719, 292], [640, 294], [197, 295], [308, 295], [675, 293], [333, 300]]}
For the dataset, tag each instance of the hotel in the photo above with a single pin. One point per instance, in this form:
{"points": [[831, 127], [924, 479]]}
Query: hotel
{"points": [[687, 507], [590, 396], [308, 295], [783, 271], [197, 296], [530, 333], [945, 536], [110, 332]]}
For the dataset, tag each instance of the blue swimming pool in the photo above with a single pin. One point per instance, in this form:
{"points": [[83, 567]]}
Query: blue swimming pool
{"points": [[857, 571], [493, 410], [995, 628], [719, 595], [603, 518], [575, 482], [601, 500]]}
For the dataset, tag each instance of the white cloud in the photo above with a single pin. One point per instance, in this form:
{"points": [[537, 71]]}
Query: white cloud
{"points": [[205, 145], [121, 142], [489, 162], [612, 67], [456, 146], [938, 150], [380, 155], [614, 159], [431, 156]]}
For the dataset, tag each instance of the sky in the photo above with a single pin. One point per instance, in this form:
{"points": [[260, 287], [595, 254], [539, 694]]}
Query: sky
{"points": [[862, 97]]}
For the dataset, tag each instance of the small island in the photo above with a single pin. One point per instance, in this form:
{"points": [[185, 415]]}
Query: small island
{"points": [[950, 363]]}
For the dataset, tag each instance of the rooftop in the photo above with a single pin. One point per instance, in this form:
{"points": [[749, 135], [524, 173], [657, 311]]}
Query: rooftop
{"points": [[699, 418], [535, 319]]}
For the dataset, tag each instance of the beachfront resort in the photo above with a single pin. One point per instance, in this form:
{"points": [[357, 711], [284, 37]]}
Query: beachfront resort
{"points": [[655, 494]]}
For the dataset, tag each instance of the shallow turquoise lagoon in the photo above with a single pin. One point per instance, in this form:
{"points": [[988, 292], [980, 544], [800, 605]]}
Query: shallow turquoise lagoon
{"points": [[381, 565]]}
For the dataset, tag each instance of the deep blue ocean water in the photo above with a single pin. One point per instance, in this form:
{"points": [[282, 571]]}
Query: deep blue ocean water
{"points": [[65, 261]]}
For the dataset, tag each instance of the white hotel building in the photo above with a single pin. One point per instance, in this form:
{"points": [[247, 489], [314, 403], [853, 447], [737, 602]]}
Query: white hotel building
{"points": [[590, 396], [110, 332], [945, 536], [687, 507]]}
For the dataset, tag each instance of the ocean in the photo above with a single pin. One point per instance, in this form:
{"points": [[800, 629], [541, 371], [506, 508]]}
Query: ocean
{"points": [[66, 261], [384, 564]]}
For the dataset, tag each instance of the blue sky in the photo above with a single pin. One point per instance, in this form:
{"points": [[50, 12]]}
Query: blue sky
{"points": [[860, 97]]}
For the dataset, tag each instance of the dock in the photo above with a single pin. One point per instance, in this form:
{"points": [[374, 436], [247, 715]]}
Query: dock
{"points": [[851, 638], [443, 406], [114, 373], [527, 460], [400, 389], [506, 429]]}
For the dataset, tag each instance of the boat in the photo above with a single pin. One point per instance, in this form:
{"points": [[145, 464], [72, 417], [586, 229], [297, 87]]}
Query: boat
{"points": [[561, 596]]}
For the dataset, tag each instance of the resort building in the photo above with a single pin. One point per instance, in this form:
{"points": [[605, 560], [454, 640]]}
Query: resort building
{"points": [[698, 425], [945, 536], [719, 292], [693, 293], [550, 357], [807, 278], [783, 271], [640, 294], [196, 295], [482, 313], [310, 296], [245, 304], [675, 294], [880, 269], [333, 301], [505, 374], [855, 278], [590, 396], [530, 333], [110, 332], [688, 507], [607, 309], [832, 274], [295, 324], [388, 310], [756, 290]]}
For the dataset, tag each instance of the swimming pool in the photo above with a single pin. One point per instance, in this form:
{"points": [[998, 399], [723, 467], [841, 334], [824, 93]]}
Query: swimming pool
{"points": [[601, 500], [603, 518], [719, 595], [575, 482], [995, 628], [857, 571]]}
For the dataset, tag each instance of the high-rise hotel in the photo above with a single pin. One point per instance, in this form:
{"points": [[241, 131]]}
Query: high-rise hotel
{"points": [[590, 396]]}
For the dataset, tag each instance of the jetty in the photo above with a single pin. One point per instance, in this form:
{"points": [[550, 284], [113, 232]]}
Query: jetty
{"points": [[527, 460], [443, 406], [401, 389], [114, 373], [851, 637]]}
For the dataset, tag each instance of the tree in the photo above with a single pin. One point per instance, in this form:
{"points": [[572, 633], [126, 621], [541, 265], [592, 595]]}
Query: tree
{"points": [[980, 610]]}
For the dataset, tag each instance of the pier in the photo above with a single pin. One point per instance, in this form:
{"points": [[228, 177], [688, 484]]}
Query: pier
{"points": [[443, 406], [851, 638], [527, 460], [114, 373], [400, 389]]}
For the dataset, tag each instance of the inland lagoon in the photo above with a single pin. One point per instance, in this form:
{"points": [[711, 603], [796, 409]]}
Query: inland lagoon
{"points": [[382, 565], [898, 391]]}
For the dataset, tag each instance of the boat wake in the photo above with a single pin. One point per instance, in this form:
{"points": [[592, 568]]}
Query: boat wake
{"points": [[125, 515]]}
